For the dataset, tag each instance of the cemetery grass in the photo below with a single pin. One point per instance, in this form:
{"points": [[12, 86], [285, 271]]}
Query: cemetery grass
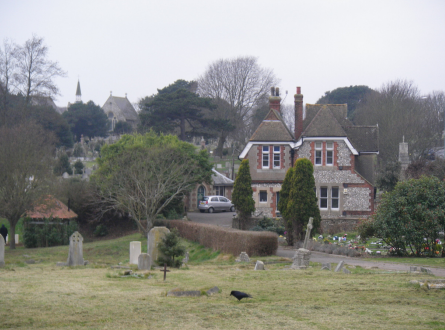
{"points": [[43, 296]]}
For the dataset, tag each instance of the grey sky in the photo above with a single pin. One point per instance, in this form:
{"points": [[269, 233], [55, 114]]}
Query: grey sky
{"points": [[136, 47]]}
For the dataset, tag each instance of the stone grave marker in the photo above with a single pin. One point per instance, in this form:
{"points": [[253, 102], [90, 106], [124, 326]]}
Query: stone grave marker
{"points": [[218, 166], [227, 164], [144, 261], [413, 269], [75, 254], [2, 252], [303, 255], [186, 258], [154, 238], [259, 265], [346, 271], [213, 290], [243, 257], [339, 266], [326, 266], [135, 251]]}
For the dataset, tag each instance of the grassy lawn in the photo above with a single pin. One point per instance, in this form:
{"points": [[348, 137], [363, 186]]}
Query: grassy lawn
{"points": [[44, 296]]}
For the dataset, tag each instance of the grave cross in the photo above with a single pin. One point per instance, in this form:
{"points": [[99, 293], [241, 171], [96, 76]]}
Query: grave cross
{"points": [[308, 232], [165, 270]]}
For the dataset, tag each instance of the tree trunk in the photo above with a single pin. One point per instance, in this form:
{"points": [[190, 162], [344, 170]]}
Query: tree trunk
{"points": [[11, 235], [220, 147]]}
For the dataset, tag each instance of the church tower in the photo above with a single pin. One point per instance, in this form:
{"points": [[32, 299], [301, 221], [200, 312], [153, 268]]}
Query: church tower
{"points": [[78, 93]]}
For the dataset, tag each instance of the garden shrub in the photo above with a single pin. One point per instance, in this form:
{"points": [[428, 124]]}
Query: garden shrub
{"points": [[48, 234], [171, 250], [269, 224], [101, 230]]}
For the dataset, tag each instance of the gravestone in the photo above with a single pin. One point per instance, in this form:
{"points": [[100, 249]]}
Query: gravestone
{"points": [[2, 252], [75, 254], [213, 290], [65, 175], [259, 265], [243, 257], [227, 164], [154, 238], [413, 269], [186, 258], [326, 266], [426, 270], [135, 251], [346, 271], [144, 261], [218, 166], [339, 266], [303, 255]]}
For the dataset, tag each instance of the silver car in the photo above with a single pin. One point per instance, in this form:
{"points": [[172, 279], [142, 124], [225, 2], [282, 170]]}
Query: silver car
{"points": [[215, 204]]}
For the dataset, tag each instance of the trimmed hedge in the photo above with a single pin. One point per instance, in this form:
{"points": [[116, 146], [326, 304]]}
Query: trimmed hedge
{"points": [[227, 240]]}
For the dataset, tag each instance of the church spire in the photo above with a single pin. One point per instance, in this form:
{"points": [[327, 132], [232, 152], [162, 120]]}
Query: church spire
{"points": [[78, 93]]}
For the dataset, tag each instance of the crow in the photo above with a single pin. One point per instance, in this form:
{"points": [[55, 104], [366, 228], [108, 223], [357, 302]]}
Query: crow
{"points": [[240, 295]]}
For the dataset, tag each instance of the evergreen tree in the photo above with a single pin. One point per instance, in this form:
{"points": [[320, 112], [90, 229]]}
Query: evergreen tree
{"points": [[63, 165], [78, 166], [283, 202], [171, 249], [242, 193]]}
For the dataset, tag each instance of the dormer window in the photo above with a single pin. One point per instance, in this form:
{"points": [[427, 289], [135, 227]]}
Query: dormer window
{"points": [[329, 153], [265, 156], [276, 157], [318, 153]]}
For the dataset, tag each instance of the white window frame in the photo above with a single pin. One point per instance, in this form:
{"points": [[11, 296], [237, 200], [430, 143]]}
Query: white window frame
{"points": [[323, 198], [330, 150], [318, 153], [277, 156], [259, 196], [335, 198], [219, 190], [265, 157]]}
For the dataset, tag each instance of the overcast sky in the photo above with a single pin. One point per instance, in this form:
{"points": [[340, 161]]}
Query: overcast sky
{"points": [[136, 47]]}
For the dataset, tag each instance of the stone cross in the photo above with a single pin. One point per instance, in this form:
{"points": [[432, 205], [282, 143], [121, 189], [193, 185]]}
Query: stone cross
{"points": [[308, 232], [75, 254], [165, 270]]}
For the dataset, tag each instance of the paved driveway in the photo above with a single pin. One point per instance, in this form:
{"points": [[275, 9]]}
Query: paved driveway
{"points": [[223, 219]]}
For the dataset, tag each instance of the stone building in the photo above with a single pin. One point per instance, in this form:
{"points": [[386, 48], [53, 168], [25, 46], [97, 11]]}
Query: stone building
{"points": [[343, 155], [120, 109]]}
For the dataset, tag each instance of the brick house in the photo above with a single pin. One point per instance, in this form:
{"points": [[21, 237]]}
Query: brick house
{"points": [[343, 155]]}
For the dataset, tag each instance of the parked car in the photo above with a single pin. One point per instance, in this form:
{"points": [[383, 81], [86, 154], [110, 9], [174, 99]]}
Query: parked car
{"points": [[215, 204]]}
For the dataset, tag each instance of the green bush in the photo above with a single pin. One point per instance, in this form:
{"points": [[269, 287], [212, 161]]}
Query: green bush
{"points": [[78, 166], [269, 224], [48, 234], [171, 250], [101, 230]]}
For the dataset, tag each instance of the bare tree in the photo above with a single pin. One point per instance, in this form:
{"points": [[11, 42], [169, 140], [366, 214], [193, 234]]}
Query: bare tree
{"points": [[35, 73], [238, 86], [7, 67], [25, 163], [402, 113], [143, 181]]}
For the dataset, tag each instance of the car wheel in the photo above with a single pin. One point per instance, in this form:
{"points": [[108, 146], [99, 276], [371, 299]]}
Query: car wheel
{"points": [[211, 210], [202, 211], [232, 209]]}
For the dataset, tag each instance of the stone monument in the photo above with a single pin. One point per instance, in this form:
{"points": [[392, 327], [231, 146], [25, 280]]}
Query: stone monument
{"points": [[154, 238], [2, 252], [144, 261], [303, 255], [135, 251], [75, 254]]}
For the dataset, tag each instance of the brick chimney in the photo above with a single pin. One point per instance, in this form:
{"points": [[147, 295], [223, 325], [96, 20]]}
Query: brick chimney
{"points": [[274, 98], [298, 113]]}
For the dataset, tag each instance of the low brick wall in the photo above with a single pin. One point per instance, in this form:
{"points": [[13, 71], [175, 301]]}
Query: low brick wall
{"points": [[336, 225]]}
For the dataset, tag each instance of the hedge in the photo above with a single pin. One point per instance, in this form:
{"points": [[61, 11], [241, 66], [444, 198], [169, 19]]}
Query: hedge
{"points": [[227, 240]]}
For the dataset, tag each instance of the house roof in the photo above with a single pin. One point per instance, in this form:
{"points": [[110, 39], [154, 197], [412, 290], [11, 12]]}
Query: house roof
{"points": [[50, 207], [272, 128], [220, 179], [123, 104]]}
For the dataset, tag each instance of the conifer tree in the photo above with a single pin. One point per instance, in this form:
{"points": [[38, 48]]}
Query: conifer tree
{"points": [[242, 193], [283, 203]]}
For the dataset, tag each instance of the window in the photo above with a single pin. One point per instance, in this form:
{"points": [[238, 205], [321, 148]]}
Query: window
{"points": [[276, 156], [334, 198], [329, 153], [223, 199], [265, 156], [214, 199], [318, 153], [323, 198], [263, 196], [219, 190]]}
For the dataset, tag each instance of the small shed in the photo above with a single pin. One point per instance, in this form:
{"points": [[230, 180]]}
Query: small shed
{"points": [[50, 207]]}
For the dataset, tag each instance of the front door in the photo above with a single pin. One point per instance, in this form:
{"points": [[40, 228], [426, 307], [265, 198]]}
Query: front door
{"points": [[201, 194]]}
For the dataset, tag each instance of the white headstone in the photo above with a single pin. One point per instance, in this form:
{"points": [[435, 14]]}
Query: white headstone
{"points": [[218, 166], [154, 238], [339, 266], [135, 251], [75, 254], [259, 265], [144, 261], [2, 251]]}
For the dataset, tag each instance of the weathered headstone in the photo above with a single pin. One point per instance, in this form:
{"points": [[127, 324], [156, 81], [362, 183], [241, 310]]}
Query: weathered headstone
{"points": [[302, 256], [259, 265], [75, 254], [413, 269], [184, 293], [346, 271], [186, 258], [339, 266], [326, 266], [135, 251], [213, 290], [154, 238], [144, 261], [243, 257], [227, 164], [2, 252], [426, 270], [218, 166]]}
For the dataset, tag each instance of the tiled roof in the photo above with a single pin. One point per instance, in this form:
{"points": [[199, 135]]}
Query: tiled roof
{"points": [[126, 108], [51, 207], [272, 128], [220, 179]]}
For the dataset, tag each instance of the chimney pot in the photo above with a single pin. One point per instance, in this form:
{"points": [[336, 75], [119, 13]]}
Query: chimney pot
{"points": [[298, 90], [272, 91], [277, 91]]}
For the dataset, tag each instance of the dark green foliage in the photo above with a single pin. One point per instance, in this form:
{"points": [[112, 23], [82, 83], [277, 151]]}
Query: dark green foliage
{"points": [[242, 193], [426, 167], [171, 250], [122, 127], [101, 230], [63, 165], [269, 224], [46, 234], [88, 119], [351, 95], [388, 177], [414, 210], [299, 202], [78, 165], [177, 109], [365, 229]]}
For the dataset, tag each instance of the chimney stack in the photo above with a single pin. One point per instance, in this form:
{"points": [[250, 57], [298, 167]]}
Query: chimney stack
{"points": [[298, 113], [274, 98]]}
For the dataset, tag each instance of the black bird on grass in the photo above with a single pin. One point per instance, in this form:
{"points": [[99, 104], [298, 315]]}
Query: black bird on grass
{"points": [[240, 295]]}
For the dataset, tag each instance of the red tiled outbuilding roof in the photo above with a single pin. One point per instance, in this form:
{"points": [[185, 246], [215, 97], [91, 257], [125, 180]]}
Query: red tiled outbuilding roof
{"points": [[50, 207]]}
